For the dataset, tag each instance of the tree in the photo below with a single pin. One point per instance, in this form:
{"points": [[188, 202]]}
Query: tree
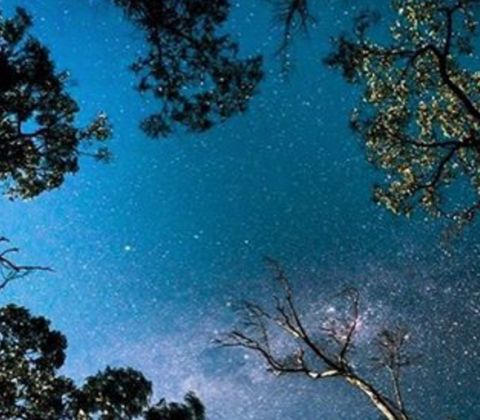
{"points": [[193, 71], [292, 16], [31, 353], [29, 357], [40, 142], [114, 394], [419, 118], [326, 353], [192, 409]]}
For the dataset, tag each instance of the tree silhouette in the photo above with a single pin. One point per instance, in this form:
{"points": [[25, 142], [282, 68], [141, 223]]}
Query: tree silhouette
{"points": [[419, 118], [292, 16], [29, 357], [114, 394], [191, 409], [282, 338], [40, 141], [31, 353], [192, 70]]}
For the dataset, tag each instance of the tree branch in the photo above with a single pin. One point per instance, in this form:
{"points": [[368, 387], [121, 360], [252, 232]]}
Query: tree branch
{"points": [[10, 271], [255, 336]]}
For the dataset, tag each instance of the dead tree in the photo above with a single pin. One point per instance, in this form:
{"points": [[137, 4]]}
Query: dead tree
{"points": [[324, 353], [9, 270]]}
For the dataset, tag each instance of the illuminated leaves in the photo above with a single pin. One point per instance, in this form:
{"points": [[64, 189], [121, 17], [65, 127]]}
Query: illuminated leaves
{"points": [[419, 116]]}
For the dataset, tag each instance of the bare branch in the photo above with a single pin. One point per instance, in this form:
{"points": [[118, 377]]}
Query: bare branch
{"points": [[293, 16], [354, 297], [10, 271], [393, 357], [314, 360], [292, 313]]}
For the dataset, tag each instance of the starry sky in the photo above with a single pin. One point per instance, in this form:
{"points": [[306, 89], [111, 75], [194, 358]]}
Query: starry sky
{"points": [[151, 250]]}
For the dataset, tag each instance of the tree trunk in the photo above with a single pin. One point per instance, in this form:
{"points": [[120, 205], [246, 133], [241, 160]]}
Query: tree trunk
{"points": [[376, 398]]}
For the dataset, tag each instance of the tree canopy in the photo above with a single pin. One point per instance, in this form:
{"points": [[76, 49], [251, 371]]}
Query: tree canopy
{"points": [[193, 71], [419, 117], [41, 143], [31, 354]]}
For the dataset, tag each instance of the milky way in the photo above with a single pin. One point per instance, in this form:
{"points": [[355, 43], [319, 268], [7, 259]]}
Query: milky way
{"points": [[151, 250]]}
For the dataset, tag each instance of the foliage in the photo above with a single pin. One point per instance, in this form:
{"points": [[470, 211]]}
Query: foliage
{"points": [[40, 141], [419, 117], [192, 409], [31, 353], [115, 394], [193, 71]]}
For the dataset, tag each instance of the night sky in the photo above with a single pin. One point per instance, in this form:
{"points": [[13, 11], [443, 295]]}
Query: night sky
{"points": [[151, 250]]}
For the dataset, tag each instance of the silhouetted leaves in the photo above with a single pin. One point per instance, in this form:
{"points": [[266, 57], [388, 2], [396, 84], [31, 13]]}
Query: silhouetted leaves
{"points": [[192, 409], [31, 355], [116, 394], [192, 70], [40, 142]]}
